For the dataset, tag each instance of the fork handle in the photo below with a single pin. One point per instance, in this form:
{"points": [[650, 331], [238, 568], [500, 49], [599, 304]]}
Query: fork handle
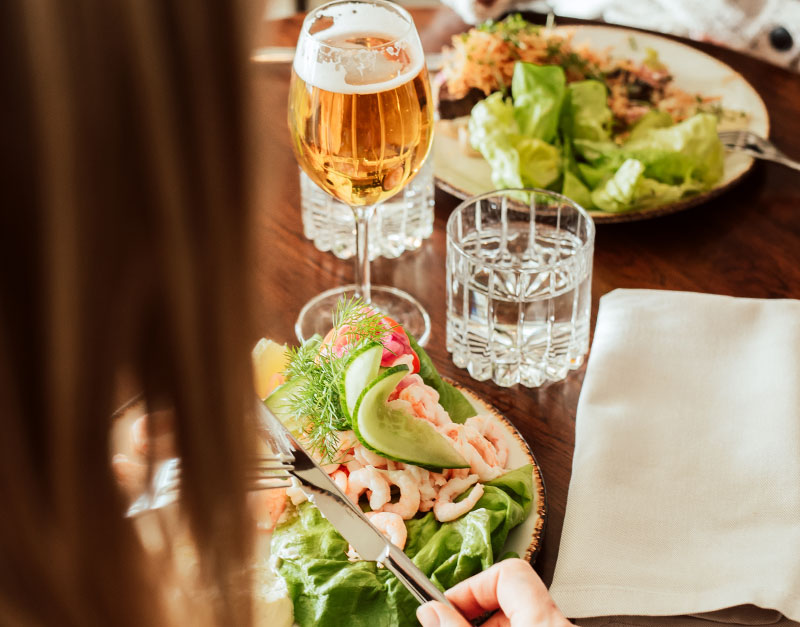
{"points": [[775, 158], [789, 163]]}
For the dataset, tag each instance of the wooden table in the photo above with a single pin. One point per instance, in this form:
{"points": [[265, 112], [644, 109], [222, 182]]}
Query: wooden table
{"points": [[744, 243]]}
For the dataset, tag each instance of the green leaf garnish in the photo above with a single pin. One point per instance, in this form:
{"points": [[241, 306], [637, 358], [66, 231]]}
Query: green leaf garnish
{"points": [[316, 404]]}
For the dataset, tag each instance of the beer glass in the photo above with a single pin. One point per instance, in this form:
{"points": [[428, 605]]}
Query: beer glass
{"points": [[361, 123]]}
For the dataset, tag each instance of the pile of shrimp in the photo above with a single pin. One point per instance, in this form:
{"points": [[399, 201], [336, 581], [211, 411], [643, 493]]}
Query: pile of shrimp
{"points": [[359, 472], [395, 491]]}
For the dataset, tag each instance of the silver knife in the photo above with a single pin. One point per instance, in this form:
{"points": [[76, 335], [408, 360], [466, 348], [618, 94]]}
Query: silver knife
{"points": [[347, 518]]}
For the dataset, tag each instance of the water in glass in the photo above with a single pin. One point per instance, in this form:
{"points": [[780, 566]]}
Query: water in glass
{"points": [[518, 289]]}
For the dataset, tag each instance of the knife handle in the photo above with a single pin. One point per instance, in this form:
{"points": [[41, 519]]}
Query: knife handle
{"points": [[412, 577]]}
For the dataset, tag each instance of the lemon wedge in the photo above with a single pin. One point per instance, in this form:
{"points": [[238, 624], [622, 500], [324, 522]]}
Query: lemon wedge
{"points": [[269, 361]]}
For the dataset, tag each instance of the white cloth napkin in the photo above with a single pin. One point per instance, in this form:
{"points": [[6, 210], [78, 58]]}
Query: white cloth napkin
{"points": [[685, 490]]}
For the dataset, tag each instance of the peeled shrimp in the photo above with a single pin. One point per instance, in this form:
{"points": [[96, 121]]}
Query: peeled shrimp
{"points": [[477, 464], [462, 438], [368, 479], [408, 505], [445, 509], [353, 465], [340, 479], [367, 457], [347, 440], [266, 507], [390, 525], [424, 402], [482, 445], [427, 489], [492, 432]]}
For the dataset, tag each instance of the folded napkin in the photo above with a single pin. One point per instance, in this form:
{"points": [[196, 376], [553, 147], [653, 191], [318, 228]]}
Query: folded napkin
{"points": [[685, 490]]}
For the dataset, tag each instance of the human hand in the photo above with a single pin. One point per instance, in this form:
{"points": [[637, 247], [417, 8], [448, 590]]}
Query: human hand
{"points": [[511, 586]]}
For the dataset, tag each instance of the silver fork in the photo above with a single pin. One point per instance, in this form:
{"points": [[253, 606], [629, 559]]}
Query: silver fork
{"points": [[267, 472], [755, 146]]}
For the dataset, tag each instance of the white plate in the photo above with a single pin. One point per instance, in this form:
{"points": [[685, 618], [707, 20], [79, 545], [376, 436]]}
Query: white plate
{"points": [[693, 71]]}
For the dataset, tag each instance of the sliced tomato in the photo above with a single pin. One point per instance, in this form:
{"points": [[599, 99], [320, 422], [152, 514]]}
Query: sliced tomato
{"points": [[395, 343]]}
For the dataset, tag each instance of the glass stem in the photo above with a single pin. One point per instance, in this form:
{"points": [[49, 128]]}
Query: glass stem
{"points": [[362, 215]]}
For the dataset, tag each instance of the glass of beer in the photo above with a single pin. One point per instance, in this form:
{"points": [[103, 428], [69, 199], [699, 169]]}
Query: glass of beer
{"points": [[361, 122]]}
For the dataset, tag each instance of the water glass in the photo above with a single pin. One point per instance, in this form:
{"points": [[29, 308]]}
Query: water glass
{"points": [[519, 275], [399, 224]]}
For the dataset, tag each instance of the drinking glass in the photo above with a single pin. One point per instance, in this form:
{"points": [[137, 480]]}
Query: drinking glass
{"points": [[361, 123], [399, 224], [519, 276]]}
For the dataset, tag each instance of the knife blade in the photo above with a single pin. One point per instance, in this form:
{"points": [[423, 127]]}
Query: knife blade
{"points": [[349, 520]]}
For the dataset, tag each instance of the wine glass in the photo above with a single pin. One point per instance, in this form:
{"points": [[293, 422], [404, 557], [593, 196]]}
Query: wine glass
{"points": [[361, 122]]}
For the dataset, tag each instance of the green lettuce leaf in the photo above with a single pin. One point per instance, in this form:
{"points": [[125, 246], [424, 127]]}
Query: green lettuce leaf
{"points": [[587, 114], [450, 397], [326, 588], [574, 189], [492, 123], [493, 132], [539, 162], [650, 120], [598, 153], [538, 92], [687, 153], [629, 189], [517, 160]]}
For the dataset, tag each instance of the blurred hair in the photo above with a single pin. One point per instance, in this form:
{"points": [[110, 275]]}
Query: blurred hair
{"points": [[123, 248]]}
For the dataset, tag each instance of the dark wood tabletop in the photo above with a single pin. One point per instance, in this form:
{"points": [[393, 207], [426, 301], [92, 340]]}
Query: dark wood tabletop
{"points": [[745, 242]]}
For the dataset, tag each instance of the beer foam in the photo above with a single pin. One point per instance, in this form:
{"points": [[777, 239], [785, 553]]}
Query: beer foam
{"points": [[360, 70]]}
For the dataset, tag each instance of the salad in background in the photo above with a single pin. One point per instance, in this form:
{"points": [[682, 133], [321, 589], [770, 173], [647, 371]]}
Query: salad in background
{"points": [[611, 134], [408, 447]]}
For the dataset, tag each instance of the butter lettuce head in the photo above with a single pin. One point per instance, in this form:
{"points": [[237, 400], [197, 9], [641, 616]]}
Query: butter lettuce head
{"points": [[327, 590], [558, 136]]}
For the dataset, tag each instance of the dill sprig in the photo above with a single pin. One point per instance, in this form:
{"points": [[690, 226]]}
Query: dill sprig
{"points": [[357, 321], [317, 403]]}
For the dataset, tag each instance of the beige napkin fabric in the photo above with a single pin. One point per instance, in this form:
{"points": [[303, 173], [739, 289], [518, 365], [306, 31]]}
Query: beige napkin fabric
{"points": [[685, 490]]}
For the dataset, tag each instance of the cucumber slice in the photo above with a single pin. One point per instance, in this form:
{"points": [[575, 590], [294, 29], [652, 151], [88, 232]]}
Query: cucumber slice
{"points": [[397, 435], [280, 402], [361, 368]]}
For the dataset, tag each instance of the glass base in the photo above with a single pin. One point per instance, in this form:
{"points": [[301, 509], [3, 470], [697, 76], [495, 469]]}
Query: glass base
{"points": [[315, 316]]}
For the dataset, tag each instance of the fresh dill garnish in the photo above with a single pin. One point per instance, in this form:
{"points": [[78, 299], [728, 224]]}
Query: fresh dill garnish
{"points": [[355, 320], [316, 403]]}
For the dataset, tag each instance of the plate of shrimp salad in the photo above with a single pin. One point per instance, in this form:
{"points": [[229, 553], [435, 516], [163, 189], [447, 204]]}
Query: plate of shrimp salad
{"points": [[452, 521]]}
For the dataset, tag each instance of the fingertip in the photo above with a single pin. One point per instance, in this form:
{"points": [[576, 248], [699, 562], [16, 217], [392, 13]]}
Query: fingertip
{"points": [[435, 614], [427, 616]]}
